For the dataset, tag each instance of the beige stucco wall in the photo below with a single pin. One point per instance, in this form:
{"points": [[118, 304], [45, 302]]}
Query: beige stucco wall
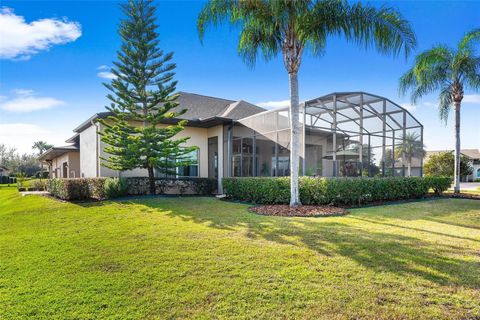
{"points": [[88, 152], [73, 161]]}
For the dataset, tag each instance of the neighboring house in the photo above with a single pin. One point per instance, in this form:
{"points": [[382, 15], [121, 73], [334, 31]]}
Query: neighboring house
{"points": [[473, 155], [3, 171], [237, 138]]}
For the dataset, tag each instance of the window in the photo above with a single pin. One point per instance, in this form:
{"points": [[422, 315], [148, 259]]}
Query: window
{"points": [[191, 170], [186, 171], [478, 173]]}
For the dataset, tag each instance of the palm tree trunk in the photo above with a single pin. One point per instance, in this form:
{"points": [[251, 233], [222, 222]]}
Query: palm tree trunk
{"points": [[295, 140], [456, 172], [409, 167]]}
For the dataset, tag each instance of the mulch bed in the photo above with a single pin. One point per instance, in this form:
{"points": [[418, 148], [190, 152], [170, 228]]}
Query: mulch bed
{"points": [[284, 210], [463, 196]]}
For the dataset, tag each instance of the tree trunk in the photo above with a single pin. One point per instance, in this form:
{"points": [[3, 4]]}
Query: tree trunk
{"points": [[456, 171], [151, 180], [409, 168], [295, 140]]}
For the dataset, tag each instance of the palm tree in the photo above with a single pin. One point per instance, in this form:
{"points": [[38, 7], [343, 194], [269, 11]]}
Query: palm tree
{"points": [[270, 27], [411, 147], [41, 146], [448, 71]]}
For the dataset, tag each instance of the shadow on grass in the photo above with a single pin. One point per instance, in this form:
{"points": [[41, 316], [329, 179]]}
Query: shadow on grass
{"points": [[378, 251]]}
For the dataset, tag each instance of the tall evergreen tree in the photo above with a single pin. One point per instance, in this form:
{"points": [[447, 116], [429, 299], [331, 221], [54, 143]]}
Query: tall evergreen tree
{"points": [[142, 97]]}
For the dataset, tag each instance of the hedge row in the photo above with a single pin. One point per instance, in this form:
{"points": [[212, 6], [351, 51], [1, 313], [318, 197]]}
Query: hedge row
{"points": [[77, 188], [334, 191], [6, 180], [103, 188]]}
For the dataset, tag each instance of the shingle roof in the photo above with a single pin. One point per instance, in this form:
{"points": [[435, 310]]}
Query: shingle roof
{"points": [[199, 107], [240, 109], [470, 153]]}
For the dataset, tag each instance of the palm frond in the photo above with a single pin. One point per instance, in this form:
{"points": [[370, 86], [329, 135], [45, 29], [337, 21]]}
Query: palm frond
{"points": [[215, 12], [258, 37], [383, 28], [469, 39], [445, 102], [431, 71]]}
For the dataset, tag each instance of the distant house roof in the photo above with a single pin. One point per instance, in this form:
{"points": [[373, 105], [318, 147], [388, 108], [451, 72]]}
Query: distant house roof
{"points": [[55, 152], [202, 111], [469, 153]]}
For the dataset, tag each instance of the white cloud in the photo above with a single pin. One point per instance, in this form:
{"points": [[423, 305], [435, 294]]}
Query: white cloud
{"points": [[411, 107], [21, 136], [274, 104], [408, 106], [21, 39], [471, 98], [26, 101], [430, 104], [105, 74]]}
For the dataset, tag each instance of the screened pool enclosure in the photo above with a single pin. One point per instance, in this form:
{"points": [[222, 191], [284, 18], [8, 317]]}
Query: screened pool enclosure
{"points": [[345, 134]]}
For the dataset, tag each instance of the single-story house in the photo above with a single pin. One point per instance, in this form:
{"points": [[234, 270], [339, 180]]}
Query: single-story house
{"points": [[3, 171], [342, 134], [473, 156]]}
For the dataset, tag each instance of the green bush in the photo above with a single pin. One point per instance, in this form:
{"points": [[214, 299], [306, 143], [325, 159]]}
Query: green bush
{"points": [[69, 189], [199, 186], [439, 184], [204, 186], [115, 187], [96, 187], [39, 185], [103, 188], [333, 191]]}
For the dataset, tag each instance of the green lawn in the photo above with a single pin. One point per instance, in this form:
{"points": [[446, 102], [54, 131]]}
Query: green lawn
{"points": [[203, 258]]}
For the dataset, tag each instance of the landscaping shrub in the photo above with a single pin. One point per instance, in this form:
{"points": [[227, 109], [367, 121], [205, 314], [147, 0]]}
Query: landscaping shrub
{"points": [[103, 188], [39, 185], [96, 187], [199, 186], [334, 191], [115, 187], [69, 189], [439, 184]]}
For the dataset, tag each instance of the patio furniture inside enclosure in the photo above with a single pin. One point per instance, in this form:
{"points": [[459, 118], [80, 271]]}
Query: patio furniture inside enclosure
{"points": [[346, 134]]}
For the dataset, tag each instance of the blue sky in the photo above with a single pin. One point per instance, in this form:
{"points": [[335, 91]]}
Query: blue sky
{"points": [[50, 65]]}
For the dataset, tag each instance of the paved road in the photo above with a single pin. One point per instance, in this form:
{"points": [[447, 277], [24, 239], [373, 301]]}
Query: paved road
{"points": [[469, 185]]}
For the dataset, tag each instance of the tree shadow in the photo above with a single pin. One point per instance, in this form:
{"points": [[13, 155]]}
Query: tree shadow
{"points": [[415, 229], [378, 251]]}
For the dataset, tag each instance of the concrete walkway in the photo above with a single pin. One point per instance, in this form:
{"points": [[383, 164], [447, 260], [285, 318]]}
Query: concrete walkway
{"points": [[27, 193]]}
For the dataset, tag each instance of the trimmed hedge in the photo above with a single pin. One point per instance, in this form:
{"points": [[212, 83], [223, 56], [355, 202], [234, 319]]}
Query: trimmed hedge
{"points": [[198, 186], [7, 180], [103, 188], [73, 189], [333, 191]]}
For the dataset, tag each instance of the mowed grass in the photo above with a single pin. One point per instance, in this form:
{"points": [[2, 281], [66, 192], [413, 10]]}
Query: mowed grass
{"points": [[204, 258]]}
